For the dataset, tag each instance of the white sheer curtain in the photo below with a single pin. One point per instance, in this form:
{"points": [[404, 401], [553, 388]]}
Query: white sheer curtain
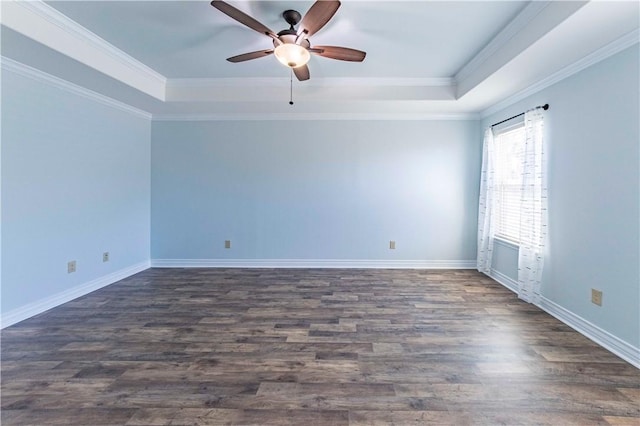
{"points": [[533, 209], [486, 207]]}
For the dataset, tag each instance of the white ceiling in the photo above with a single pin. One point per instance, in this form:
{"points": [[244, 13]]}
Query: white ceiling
{"points": [[192, 39], [423, 57]]}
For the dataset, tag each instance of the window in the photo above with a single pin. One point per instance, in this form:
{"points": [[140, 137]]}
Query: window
{"points": [[509, 156], [513, 198]]}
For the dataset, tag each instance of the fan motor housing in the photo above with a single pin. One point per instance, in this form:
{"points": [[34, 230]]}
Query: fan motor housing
{"points": [[289, 37]]}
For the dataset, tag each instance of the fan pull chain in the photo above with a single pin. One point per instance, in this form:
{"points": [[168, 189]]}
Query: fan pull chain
{"points": [[291, 87]]}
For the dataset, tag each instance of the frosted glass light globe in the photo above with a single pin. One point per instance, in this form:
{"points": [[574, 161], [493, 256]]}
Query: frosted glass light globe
{"points": [[292, 55]]}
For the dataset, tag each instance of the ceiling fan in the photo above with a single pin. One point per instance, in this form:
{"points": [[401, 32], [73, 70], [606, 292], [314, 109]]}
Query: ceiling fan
{"points": [[292, 47]]}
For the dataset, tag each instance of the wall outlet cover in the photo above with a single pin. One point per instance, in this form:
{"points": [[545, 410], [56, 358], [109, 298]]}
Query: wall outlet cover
{"points": [[596, 297]]}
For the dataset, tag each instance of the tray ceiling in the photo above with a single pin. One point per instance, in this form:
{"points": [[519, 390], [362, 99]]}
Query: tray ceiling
{"points": [[423, 57]]}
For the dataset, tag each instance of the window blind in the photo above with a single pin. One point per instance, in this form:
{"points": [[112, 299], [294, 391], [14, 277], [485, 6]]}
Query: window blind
{"points": [[509, 155]]}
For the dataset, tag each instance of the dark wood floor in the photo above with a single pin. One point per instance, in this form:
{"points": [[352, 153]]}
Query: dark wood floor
{"points": [[308, 347]]}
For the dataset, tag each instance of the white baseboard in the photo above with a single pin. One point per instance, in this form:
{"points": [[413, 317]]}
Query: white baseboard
{"points": [[505, 280], [42, 305], [313, 263], [624, 350]]}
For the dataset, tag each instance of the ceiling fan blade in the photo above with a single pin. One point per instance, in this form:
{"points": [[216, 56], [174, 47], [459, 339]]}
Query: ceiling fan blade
{"points": [[302, 73], [317, 16], [250, 55], [340, 53], [243, 18]]}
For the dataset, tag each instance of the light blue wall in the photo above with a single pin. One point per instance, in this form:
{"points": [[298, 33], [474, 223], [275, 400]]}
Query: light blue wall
{"points": [[593, 143], [75, 183], [315, 189]]}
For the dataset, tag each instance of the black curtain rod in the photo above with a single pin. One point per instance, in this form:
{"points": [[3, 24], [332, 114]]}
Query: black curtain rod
{"points": [[544, 107]]}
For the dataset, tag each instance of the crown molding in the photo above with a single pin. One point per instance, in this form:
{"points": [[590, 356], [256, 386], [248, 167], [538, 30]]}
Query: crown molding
{"points": [[533, 23], [46, 25], [601, 54], [317, 117], [519, 23], [23, 70], [317, 82], [324, 90]]}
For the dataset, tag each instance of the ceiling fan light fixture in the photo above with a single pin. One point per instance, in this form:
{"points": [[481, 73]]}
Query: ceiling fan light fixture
{"points": [[292, 55]]}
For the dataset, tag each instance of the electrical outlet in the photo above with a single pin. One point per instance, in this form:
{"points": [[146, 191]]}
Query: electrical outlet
{"points": [[105, 256], [392, 245], [71, 266], [227, 244], [596, 297]]}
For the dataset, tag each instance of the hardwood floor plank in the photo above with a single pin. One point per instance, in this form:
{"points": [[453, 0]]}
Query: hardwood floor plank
{"points": [[294, 417], [69, 416], [412, 417], [621, 421], [308, 346]]}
